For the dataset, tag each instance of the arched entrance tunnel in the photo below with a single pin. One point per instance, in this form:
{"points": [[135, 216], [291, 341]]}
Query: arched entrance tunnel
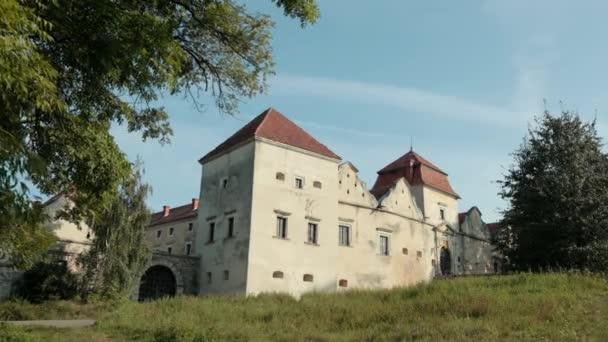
{"points": [[158, 282]]}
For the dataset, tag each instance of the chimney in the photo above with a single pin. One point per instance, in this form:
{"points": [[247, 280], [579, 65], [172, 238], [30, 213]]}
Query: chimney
{"points": [[166, 210], [194, 203]]}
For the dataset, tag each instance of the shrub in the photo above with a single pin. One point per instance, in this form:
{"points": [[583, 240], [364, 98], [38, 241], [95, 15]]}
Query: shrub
{"points": [[49, 279]]}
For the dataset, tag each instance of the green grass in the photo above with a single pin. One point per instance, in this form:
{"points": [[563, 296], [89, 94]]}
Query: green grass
{"points": [[519, 307]]}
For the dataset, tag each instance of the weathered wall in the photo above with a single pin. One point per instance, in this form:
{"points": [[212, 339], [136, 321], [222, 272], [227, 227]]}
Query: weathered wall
{"points": [[477, 251], [217, 205], [411, 240], [294, 257], [177, 241]]}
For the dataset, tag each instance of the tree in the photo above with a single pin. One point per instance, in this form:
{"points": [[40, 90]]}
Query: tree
{"points": [[558, 198], [69, 69], [119, 253]]}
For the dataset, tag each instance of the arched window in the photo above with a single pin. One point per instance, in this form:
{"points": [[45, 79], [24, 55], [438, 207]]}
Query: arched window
{"points": [[277, 275], [343, 283], [308, 278], [317, 185], [280, 176]]}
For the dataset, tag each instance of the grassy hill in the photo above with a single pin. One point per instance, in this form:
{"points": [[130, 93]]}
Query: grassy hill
{"points": [[526, 306]]}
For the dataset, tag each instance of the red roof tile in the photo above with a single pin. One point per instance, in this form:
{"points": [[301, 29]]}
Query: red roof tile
{"points": [[175, 214], [274, 126], [416, 170]]}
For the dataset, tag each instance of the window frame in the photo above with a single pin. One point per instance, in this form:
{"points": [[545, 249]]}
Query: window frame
{"points": [[171, 231], [387, 250], [442, 214], [191, 226], [315, 236], [300, 179], [211, 233], [349, 233], [230, 230], [282, 232], [186, 251], [224, 183], [159, 233], [170, 249]]}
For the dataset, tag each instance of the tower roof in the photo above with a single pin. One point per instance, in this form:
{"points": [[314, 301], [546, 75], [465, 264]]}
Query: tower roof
{"points": [[416, 170], [274, 126]]}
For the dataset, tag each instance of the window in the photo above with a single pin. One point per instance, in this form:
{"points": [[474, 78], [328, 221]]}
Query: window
{"points": [[299, 183], [190, 226], [343, 283], [277, 275], [226, 275], [405, 251], [224, 183], [313, 233], [188, 248], [211, 232], [384, 244], [170, 249], [308, 278], [317, 185], [159, 233], [230, 227], [282, 227], [442, 214], [344, 235], [280, 176], [171, 231], [419, 254], [209, 278]]}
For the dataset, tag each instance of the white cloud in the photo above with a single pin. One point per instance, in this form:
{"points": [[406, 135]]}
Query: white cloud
{"points": [[405, 98]]}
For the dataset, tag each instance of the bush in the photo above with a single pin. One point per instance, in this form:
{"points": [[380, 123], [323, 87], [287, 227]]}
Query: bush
{"points": [[48, 280]]}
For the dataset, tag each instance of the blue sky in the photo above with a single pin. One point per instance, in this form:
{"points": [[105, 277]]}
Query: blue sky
{"points": [[463, 79]]}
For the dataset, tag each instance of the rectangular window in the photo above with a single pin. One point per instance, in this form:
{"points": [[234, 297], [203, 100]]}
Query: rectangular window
{"points": [[226, 275], [344, 236], [190, 226], [211, 232], [299, 183], [188, 248], [159, 233], [442, 214], [282, 227], [231, 227], [384, 243], [169, 249], [171, 231], [209, 278], [224, 183], [313, 233]]}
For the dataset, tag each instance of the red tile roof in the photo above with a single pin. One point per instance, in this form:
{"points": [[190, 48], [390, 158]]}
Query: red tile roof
{"points": [[175, 214], [274, 126], [416, 170]]}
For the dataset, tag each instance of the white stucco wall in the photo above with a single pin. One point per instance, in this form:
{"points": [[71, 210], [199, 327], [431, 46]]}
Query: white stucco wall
{"points": [[218, 204], [293, 256], [181, 236]]}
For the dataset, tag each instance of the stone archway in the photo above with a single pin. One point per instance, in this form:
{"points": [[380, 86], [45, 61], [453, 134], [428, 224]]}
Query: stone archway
{"points": [[445, 261], [157, 282]]}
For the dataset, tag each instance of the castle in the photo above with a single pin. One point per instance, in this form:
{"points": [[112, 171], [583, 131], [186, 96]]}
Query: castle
{"points": [[281, 212]]}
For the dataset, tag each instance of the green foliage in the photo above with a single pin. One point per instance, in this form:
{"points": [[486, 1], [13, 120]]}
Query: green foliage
{"points": [[119, 253], [519, 307], [48, 280], [69, 69], [558, 195]]}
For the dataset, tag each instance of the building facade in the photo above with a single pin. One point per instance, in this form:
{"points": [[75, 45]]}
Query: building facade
{"points": [[173, 230], [281, 212]]}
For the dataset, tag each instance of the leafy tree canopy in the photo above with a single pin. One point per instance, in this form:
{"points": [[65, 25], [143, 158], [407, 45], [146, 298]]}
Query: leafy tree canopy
{"points": [[71, 68], [119, 253], [558, 195]]}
